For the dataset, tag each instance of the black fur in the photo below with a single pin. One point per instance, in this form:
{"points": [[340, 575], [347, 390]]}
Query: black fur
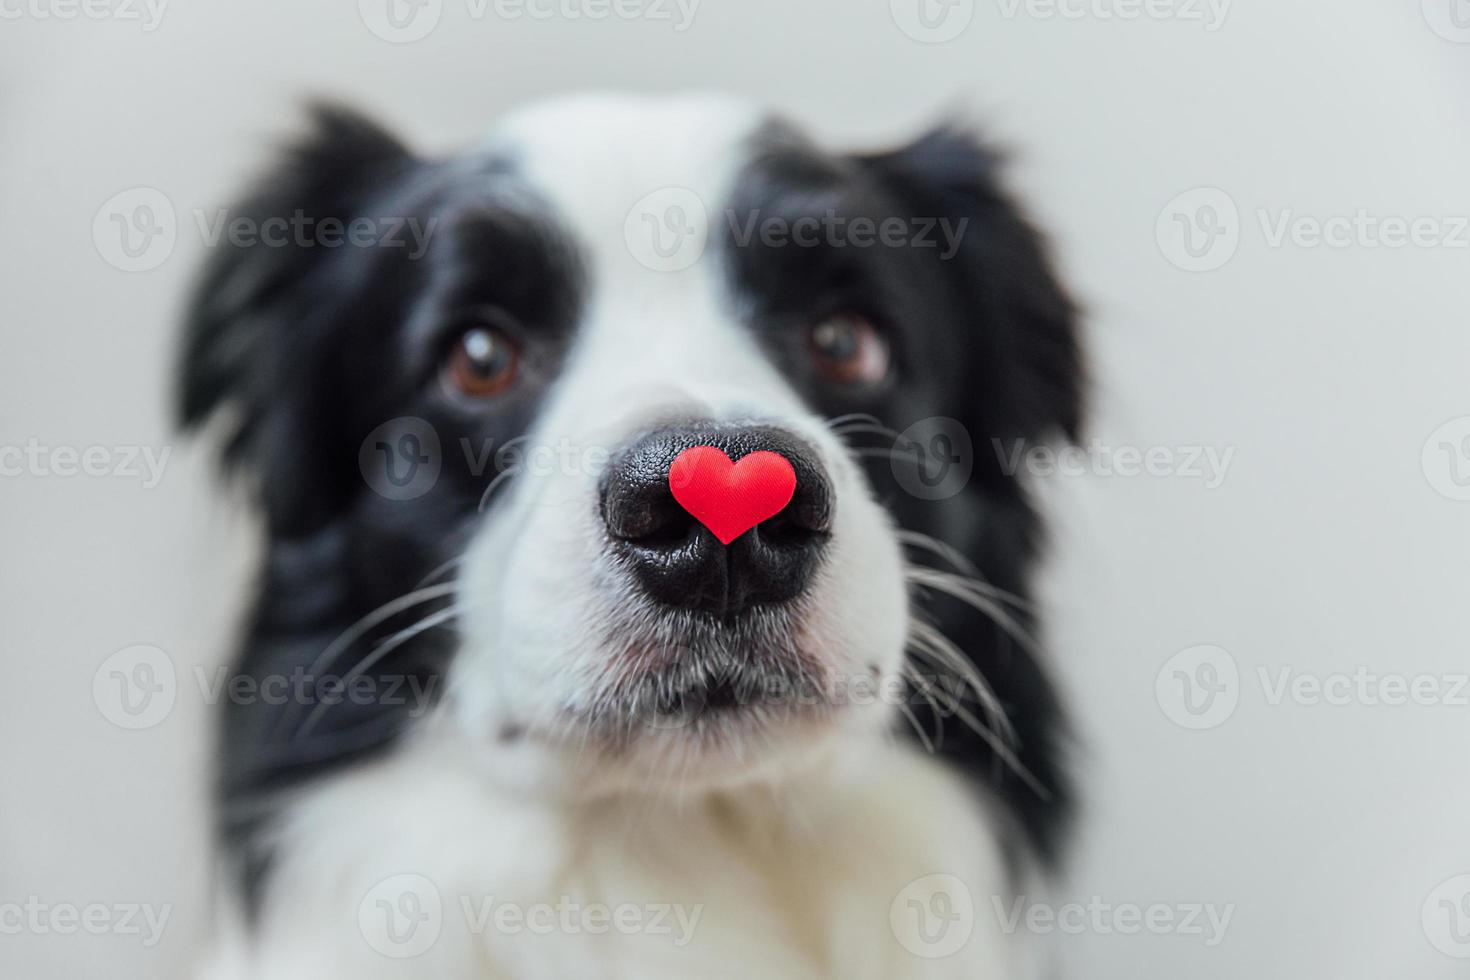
{"points": [[312, 348], [987, 336]]}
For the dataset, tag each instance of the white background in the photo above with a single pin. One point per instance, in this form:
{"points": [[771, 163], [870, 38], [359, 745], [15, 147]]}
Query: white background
{"points": [[1327, 546]]}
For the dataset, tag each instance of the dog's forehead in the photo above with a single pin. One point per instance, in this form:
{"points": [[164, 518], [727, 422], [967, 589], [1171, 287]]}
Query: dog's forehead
{"points": [[595, 157]]}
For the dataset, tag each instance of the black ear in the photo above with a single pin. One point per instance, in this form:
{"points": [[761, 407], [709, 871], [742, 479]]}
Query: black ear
{"points": [[254, 328], [1027, 319]]}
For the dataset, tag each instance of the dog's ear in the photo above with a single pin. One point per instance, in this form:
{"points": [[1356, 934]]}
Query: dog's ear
{"points": [[254, 330], [1026, 341]]}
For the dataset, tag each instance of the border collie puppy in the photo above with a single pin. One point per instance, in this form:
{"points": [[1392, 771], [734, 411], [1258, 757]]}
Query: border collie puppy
{"points": [[519, 710]]}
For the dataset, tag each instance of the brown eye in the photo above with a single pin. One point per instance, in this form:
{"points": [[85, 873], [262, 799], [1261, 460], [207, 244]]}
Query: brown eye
{"points": [[482, 363], [848, 349]]}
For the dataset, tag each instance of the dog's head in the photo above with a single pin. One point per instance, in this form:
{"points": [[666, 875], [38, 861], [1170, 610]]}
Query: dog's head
{"points": [[460, 385]]}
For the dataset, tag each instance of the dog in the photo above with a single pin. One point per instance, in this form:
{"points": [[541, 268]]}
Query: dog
{"points": [[533, 718]]}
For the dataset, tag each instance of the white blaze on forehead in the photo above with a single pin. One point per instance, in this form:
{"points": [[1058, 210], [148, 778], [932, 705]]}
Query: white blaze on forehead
{"points": [[642, 185], [594, 157], [655, 341]]}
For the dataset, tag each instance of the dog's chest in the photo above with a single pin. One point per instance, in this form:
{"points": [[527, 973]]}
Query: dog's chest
{"points": [[418, 871]]}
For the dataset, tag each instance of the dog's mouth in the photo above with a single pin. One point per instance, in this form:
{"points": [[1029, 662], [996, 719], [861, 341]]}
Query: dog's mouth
{"points": [[707, 680]]}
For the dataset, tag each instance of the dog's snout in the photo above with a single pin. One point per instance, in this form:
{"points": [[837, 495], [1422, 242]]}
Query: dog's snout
{"points": [[679, 561]]}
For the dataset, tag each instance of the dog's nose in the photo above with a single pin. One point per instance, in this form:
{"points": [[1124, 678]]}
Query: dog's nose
{"points": [[677, 560]]}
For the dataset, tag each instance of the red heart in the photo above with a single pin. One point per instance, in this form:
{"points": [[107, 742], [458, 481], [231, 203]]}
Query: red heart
{"points": [[731, 498]]}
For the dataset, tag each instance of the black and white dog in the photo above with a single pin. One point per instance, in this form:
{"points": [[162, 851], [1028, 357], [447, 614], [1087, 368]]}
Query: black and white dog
{"points": [[538, 721]]}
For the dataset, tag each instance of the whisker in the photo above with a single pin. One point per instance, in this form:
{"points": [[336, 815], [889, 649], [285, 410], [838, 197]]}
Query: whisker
{"points": [[929, 641], [841, 420], [442, 569], [913, 719], [915, 539], [380, 651], [892, 454], [356, 631], [1002, 751], [981, 596], [495, 483]]}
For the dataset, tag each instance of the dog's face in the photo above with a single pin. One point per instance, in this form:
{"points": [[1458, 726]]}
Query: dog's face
{"points": [[552, 328]]}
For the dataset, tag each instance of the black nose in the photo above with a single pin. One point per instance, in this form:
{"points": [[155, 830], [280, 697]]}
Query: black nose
{"points": [[677, 560]]}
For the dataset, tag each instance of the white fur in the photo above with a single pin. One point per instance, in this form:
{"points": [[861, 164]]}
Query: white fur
{"points": [[787, 880], [793, 842]]}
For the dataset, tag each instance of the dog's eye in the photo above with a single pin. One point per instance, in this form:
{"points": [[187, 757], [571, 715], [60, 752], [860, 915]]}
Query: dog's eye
{"points": [[849, 350], [482, 363]]}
